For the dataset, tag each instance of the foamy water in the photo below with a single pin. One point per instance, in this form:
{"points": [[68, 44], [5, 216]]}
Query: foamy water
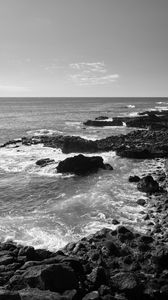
{"points": [[42, 208]]}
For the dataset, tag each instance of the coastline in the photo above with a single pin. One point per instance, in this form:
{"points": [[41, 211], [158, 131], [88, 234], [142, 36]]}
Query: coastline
{"points": [[119, 264]]}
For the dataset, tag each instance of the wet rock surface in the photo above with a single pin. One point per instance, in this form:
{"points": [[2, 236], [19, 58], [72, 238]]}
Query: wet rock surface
{"points": [[149, 119], [139, 144], [82, 165], [44, 162], [148, 185], [110, 264]]}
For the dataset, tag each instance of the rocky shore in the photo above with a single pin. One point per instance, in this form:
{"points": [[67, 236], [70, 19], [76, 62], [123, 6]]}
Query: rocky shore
{"points": [[151, 142], [109, 265], [118, 264]]}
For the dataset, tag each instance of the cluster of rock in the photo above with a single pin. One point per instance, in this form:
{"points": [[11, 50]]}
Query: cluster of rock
{"points": [[108, 265], [140, 144], [148, 119]]}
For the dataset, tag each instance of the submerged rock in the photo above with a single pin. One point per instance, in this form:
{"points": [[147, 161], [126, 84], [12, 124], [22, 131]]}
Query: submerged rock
{"points": [[44, 162], [82, 165], [101, 118]]}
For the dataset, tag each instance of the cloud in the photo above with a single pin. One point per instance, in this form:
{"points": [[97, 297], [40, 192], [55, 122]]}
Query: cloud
{"points": [[91, 73], [90, 67]]}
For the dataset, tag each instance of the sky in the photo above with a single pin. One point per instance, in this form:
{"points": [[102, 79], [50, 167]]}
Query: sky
{"points": [[84, 48]]}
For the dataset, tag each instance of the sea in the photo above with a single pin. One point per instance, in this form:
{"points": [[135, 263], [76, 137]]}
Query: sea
{"points": [[44, 209]]}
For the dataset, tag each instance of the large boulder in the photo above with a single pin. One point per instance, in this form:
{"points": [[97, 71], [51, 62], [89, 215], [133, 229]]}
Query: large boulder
{"points": [[54, 277], [81, 165], [148, 185]]}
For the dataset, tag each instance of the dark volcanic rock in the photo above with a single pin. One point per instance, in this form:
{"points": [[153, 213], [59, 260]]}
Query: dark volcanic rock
{"points": [[135, 153], [44, 162], [141, 202], [148, 185], [118, 264], [101, 118], [154, 120], [134, 178], [139, 144], [101, 123], [81, 165], [77, 144]]}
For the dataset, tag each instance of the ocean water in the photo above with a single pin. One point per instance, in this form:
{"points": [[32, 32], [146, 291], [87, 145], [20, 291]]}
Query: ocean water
{"points": [[42, 208]]}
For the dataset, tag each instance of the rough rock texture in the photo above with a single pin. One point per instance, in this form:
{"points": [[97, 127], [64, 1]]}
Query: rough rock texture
{"points": [[118, 264], [148, 185], [82, 165], [139, 144], [156, 120], [44, 162], [134, 178]]}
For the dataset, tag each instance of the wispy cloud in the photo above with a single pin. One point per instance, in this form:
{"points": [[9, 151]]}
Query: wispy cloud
{"points": [[91, 73], [89, 67]]}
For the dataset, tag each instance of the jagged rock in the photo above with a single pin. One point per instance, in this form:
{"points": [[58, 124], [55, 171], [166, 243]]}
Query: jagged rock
{"points": [[6, 259], [55, 277], [101, 123], [8, 295], [141, 202], [92, 296], [98, 277], [81, 165], [134, 178], [148, 185], [37, 294], [124, 281], [108, 167], [44, 162], [101, 118], [115, 222], [137, 153]]}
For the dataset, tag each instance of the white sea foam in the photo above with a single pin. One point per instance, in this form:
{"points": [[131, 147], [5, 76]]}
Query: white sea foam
{"points": [[133, 114], [23, 159], [160, 108], [73, 123], [162, 102], [39, 132], [87, 137], [131, 106]]}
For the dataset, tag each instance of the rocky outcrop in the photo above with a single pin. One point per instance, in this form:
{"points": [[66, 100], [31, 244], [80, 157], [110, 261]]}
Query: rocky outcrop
{"points": [[118, 264], [155, 120], [148, 185], [138, 144], [100, 118], [102, 123], [134, 178], [82, 165], [44, 162]]}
